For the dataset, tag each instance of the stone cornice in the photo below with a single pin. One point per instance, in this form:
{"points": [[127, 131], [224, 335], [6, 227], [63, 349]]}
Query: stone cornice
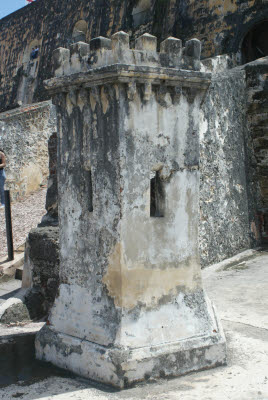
{"points": [[119, 73]]}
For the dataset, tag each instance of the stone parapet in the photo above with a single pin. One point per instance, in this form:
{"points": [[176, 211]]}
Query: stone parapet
{"points": [[83, 57]]}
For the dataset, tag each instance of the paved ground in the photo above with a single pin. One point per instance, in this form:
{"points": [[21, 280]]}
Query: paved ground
{"points": [[239, 290], [8, 289], [26, 214]]}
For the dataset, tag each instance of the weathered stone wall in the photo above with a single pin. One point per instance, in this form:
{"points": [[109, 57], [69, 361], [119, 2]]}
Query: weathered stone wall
{"points": [[24, 135], [51, 218], [41, 270], [220, 25], [49, 24], [257, 113], [130, 275], [41, 261], [228, 192]]}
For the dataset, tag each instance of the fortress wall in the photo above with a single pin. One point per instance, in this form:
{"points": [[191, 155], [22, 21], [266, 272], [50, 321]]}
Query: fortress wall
{"points": [[220, 25], [229, 191], [24, 137], [49, 24]]}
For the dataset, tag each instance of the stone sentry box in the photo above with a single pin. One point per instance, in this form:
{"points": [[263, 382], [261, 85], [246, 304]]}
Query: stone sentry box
{"points": [[131, 304]]}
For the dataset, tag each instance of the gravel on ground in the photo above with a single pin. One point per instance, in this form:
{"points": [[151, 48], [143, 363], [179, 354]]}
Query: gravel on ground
{"points": [[26, 214]]}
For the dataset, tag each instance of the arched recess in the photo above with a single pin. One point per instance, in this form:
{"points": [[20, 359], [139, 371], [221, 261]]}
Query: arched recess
{"points": [[80, 31], [255, 43], [30, 46], [140, 12]]}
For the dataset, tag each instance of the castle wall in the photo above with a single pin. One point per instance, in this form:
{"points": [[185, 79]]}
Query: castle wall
{"points": [[49, 24], [221, 25], [24, 135], [227, 192], [257, 113]]}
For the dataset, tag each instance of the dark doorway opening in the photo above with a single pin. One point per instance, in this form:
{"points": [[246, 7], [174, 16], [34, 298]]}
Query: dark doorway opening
{"points": [[255, 43]]}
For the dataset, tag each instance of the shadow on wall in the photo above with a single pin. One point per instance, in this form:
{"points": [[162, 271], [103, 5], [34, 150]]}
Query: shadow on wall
{"points": [[141, 12], [80, 31], [255, 43]]}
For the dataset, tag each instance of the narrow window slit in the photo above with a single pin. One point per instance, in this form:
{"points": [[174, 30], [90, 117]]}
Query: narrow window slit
{"points": [[157, 196], [89, 190]]}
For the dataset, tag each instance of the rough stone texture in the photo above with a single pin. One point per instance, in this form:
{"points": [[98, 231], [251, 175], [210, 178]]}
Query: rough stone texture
{"points": [[24, 135], [14, 310], [243, 309], [228, 203], [257, 113], [41, 270], [51, 217], [131, 304], [220, 25], [41, 263]]}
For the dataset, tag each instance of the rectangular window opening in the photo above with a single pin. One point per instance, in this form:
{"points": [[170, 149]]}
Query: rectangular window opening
{"points": [[157, 196]]}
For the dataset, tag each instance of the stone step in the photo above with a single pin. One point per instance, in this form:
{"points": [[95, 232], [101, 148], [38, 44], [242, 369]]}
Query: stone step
{"points": [[8, 268], [17, 356], [19, 273], [17, 352]]}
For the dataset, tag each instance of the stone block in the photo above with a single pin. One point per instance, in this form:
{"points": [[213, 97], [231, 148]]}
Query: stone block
{"points": [[120, 40], [41, 269], [79, 48], [146, 42], [193, 48], [61, 60], [100, 43], [171, 46]]}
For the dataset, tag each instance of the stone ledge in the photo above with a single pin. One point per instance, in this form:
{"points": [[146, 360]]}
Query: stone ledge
{"points": [[17, 352], [26, 108], [128, 73]]}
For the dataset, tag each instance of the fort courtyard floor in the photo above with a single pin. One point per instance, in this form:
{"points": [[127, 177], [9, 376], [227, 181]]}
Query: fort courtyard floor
{"points": [[239, 288]]}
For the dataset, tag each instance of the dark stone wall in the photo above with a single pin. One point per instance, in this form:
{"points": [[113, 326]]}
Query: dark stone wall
{"points": [[221, 26], [51, 217], [257, 114], [42, 267]]}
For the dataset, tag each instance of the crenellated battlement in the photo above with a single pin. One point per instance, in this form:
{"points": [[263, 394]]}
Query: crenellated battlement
{"points": [[82, 57], [104, 61]]}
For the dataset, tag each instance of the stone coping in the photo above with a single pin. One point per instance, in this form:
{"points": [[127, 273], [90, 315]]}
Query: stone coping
{"points": [[26, 108]]}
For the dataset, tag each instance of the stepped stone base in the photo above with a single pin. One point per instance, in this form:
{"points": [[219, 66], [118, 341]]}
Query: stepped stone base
{"points": [[123, 367]]}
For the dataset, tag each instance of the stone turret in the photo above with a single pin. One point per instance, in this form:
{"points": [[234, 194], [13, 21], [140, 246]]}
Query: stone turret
{"points": [[131, 303]]}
